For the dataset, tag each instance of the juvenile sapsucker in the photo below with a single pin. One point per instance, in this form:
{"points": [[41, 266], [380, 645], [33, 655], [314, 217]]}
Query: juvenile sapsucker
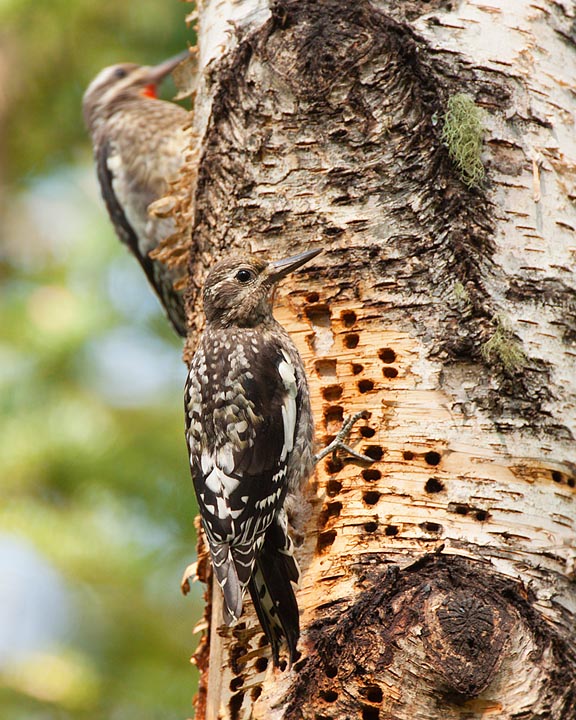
{"points": [[249, 430], [139, 146]]}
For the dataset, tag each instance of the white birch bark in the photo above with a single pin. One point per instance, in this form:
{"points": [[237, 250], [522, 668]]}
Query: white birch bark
{"points": [[439, 581]]}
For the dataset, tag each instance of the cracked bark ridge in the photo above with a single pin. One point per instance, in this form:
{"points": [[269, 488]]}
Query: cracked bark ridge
{"points": [[447, 626], [326, 111]]}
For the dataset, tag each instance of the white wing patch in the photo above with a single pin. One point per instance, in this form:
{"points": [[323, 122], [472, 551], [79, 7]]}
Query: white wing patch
{"points": [[289, 410], [220, 483]]}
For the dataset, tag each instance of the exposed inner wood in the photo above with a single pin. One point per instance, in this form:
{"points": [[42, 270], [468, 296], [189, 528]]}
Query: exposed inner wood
{"points": [[438, 581], [435, 496]]}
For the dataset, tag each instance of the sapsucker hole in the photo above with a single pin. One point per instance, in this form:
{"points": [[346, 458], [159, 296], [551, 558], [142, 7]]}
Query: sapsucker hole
{"points": [[326, 367], [332, 231], [334, 465], [329, 695], [256, 692], [458, 508], [261, 664], [365, 386], [236, 683], [482, 515], [348, 317], [432, 457], [433, 485], [370, 713], [366, 431], [325, 541], [408, 455], [235, 704], [312, 297], [332, 393], [263, 641], [556, 476], [238, 630], [331, 671], [319, 315], [357, 368], [351, 340], [571, 482], [238, 651], [431, 527], [371, 526], [387, 355], [333, 414], [370, 475], [374, 694], [282, 665], [329, 511], [391, 530], [390, 372], [375, 452], [333, 487], [300, 664], [371, 497]]}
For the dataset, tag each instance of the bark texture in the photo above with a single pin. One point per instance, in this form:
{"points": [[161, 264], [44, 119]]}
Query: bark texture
{"points": [[437, 582]]}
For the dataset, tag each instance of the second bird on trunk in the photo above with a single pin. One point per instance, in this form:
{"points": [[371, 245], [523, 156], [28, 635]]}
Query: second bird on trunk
{"points": [[139, 146]]}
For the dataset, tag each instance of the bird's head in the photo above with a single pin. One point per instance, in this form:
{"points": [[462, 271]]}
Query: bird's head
{"points": [[118, 84], [238, 289]]}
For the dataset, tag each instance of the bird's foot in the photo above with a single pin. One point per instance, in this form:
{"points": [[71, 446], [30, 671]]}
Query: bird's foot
{"points": [[338, 442]]}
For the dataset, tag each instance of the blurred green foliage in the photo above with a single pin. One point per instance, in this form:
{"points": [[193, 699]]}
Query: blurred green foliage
{"points": [[53, 50], [93, 461]]}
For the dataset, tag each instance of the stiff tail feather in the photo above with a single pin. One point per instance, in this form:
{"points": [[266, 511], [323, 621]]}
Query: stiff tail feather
{"points": [[227, 578], [272, 593]]}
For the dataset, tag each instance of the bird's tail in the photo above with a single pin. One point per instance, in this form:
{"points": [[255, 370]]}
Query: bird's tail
{"points": [[227, 577], [271, 589]]}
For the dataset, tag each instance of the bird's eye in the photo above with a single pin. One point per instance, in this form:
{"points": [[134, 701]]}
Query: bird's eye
{"points": [[243, 275], [120, 73]]}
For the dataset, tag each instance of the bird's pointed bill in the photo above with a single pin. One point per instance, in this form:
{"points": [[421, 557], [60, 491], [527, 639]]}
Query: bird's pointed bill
{"points": [[281, 268], [160, 71]]}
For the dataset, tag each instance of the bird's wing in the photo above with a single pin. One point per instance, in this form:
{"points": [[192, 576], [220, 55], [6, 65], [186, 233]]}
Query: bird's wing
{"points": [[104, 162], [171, 300], [271, 588], [241, 416]]}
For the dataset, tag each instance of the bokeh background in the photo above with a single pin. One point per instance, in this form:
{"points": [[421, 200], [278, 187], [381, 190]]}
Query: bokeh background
{"points": [[96, 502]]}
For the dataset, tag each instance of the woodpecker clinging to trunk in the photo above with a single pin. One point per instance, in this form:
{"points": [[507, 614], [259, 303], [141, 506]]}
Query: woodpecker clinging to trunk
{"points": [[139, 146], [249, 430]]}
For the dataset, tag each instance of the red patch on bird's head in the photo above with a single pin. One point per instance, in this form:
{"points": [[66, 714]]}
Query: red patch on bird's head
{"points": [[149, 91]]}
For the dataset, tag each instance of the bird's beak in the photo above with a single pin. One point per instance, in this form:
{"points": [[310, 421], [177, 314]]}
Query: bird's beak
{"points": [[159, 72], [281, 268]]}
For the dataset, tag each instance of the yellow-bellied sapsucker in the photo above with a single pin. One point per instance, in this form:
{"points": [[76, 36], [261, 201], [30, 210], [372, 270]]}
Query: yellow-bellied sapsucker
{"points": [[249, 430], [139, 146]]}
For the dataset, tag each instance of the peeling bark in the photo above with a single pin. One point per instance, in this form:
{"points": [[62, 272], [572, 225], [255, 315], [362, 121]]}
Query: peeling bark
{"points": [[437, 582]]}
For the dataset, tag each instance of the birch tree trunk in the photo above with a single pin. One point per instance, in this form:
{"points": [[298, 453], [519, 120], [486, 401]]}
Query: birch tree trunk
{"points": [[437, 582]]}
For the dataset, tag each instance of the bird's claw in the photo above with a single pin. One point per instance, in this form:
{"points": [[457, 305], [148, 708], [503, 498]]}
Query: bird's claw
{"points": [[338, 442]]}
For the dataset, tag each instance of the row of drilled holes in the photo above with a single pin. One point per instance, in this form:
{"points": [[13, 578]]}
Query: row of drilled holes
{"points": [[371, 498], [388, 356], [368, 693], [335, 414], [561, 478], [334, 465], [371, 693], [332, 393]]}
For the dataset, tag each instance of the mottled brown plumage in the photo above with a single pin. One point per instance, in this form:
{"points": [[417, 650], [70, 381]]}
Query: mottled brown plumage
{"points": [[249, 430], [139, 145]]}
